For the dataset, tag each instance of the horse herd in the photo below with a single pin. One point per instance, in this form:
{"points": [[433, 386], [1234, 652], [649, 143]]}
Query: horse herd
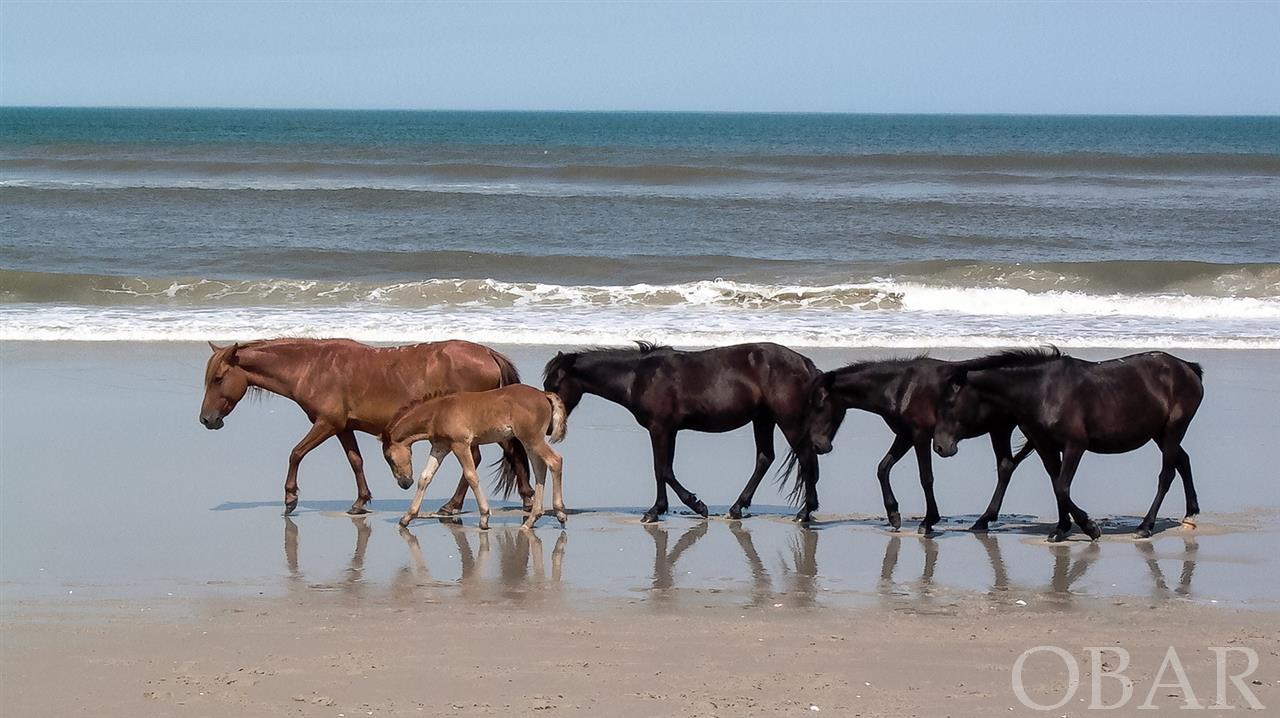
{"points": [[458, 395]]}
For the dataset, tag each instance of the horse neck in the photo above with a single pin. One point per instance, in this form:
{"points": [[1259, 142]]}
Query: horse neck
{"points": [[1007, 389], [866, 389], [271, 369], [608, 379]]}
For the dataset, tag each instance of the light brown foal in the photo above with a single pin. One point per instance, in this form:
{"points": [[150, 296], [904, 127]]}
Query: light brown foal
{"points": [[456, 423]]}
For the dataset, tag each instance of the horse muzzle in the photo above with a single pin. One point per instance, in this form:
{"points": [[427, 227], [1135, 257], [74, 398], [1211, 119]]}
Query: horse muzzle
{"points": [[822, 447], [945, 451], [406, 482], [212, 423]]}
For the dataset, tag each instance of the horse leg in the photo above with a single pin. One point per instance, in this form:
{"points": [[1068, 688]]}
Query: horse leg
{"points": [[763, 429], [424, 480], [464, 454], [454, 504], [556, 462], [1170, 455], [540, 474], [925, 461], [664, 449], [1004, 472], [348, 439], [1188, 488], [318, 434], [1071, 456], [901, 444]]}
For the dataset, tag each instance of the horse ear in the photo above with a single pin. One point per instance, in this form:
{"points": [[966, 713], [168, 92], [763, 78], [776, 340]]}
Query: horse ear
{"points": [[215, 347], [233, 357]]}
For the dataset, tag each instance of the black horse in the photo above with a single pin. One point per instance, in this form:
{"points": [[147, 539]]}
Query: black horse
{"points": [[1070, 405], [906, 393], [716, 390]]}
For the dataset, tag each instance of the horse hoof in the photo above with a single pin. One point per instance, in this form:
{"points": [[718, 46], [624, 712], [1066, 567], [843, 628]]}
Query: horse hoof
{"points": [[649, 517], [404, 521], [980, 527], [1143, 533], [563, 518], [1189, 523], [735, 513], [895, 520], [701, 509], [357, 511], [1091, 528], [1057, 537], [289, 506], [926, 530], [446, 510], [804, 517]]}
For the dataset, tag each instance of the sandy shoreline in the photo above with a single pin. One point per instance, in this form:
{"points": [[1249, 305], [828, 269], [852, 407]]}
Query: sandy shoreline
{"points": [[329, 655], [145, 563]]}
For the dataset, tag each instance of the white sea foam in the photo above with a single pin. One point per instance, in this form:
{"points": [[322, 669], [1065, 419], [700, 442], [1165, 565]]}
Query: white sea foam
{"points": [[572, 326]]}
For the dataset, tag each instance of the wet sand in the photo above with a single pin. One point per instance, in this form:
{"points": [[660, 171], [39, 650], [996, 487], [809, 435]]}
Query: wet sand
{"points": [[146, 566]]}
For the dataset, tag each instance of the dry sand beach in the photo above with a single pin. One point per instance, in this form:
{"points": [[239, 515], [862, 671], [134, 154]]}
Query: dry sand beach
{"points": [[147, 570]]}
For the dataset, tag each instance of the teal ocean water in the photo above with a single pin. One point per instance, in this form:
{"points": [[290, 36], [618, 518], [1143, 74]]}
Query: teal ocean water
{"points": [[570, 228]]}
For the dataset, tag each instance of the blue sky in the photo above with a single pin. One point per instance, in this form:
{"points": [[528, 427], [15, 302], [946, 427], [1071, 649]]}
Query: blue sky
{"points": [[1158, 58]]}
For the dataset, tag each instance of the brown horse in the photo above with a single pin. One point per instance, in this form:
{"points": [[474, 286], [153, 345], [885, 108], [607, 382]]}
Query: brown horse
{"points": [[458, 423], [345, 387]]}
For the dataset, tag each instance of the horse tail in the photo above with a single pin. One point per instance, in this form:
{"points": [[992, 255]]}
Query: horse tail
{"points": [[558, 426], [1023, 452], [785, 472], [507, 372], [514, 458]]}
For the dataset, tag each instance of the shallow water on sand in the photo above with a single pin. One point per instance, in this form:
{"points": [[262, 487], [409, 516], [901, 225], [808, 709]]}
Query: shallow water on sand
{"points": [[111, 489]]}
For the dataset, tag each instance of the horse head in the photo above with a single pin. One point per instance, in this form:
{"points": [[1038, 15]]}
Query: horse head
{"points": [[399, 456], [561, 379], [225, 384], [823, 415], [957, 405]]}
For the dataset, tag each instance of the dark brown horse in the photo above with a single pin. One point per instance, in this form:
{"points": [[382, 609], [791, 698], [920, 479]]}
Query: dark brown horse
{"points": [[345, 386], [906, 393], [716, 390], [1070, 405]]}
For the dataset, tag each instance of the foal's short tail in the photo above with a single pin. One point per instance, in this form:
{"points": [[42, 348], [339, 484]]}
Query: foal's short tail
{"points": [[559, 424]]}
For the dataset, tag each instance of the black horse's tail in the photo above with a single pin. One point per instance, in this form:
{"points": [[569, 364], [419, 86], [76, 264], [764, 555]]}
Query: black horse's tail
{"points": [[514, 458], [785, 472], [1023, 452]]}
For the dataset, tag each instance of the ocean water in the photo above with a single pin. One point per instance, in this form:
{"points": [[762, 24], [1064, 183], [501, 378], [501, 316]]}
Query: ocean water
{"points": [[600, 228]]}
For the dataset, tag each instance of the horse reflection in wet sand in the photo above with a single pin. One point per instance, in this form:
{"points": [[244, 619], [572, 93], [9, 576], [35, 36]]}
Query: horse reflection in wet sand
{"points": [[522, 566], [1069, 405], [459, 422], [344, 386]]}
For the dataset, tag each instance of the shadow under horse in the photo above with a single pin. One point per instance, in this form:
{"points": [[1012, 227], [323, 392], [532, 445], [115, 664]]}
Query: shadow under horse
{"points": [[1069, 405], [716, 390]]}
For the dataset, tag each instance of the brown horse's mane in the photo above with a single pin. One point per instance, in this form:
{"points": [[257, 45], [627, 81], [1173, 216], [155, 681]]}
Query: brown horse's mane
{"points": [[566, 360]]}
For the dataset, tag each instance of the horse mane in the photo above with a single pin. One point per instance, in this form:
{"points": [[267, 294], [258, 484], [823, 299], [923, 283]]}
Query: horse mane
{"points": [[566, 360], [1014, 358], [890, 363]]}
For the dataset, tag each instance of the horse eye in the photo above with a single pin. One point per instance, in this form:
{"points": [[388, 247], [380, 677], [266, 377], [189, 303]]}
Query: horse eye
{"points": [[217, 380]]}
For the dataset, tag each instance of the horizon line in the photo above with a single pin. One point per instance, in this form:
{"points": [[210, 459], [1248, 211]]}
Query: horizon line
{"points": [[884, 113]]}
